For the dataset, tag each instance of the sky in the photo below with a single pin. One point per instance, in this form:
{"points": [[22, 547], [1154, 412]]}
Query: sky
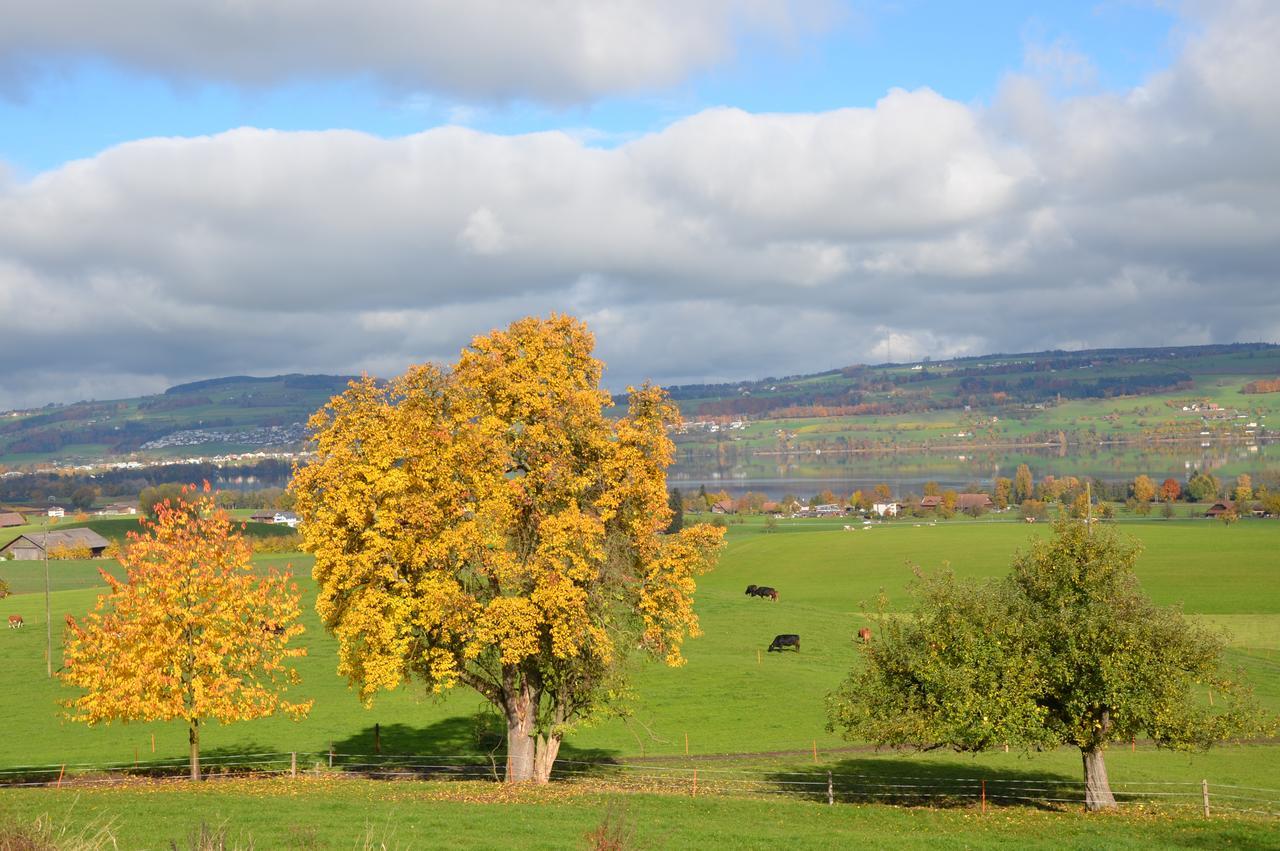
{"points": [[721, 189]]}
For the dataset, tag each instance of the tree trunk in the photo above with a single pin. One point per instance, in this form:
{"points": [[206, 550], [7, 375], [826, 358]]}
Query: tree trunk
{"points": [[545, 757], [520, 710], [193, 736], [1097, 789]]}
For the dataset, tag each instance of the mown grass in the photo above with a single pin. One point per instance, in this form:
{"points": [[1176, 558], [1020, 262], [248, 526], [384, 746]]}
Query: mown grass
{"points": [[323, 813]]}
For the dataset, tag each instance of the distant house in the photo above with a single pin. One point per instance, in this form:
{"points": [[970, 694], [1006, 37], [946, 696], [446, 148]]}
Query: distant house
{"points": [[1220, 508], [724, 506], [964, 502], [829, 509], [11, 518], [887, 509], [771, 508], [263, 517], [57, 511], [971, 501], [31, 547], [285, 518], [117, 508]]}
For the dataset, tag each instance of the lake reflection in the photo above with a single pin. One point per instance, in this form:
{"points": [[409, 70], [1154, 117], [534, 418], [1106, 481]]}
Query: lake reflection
{"points": [[805, 473]]}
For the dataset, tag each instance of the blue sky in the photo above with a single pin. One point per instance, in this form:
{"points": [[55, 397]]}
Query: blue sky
{"points": [[723, 189], [72, 106]]}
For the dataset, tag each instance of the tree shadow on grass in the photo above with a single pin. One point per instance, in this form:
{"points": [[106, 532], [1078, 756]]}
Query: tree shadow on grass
{"points": [[461, 747], [908, 782]]}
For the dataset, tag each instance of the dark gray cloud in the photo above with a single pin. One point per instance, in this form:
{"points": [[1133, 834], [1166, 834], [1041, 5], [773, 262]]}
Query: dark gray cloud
{"points": [[557, 51], [726, 245]]}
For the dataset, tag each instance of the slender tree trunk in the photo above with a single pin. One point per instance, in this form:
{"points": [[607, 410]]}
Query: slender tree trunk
{"points": [[193, 736], [521, 752], [545, 757], [1097, 789]]}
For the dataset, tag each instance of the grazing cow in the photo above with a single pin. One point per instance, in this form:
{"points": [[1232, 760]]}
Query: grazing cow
{"points": [[864, 634], [781, 641], [762, 591], [751, 590], [16, 621]]}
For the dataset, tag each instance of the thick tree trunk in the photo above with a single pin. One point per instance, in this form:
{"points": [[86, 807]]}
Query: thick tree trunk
{"points": [[1097, 789], [520, 710], [193, 736]]}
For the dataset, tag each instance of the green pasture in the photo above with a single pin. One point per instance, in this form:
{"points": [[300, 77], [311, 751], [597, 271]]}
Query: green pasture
{"points": [[732, 697], [318, 813]]}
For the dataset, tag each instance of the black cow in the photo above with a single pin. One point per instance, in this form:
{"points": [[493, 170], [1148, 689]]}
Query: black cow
{"points": [[751, 590], [766, 591], [781, 641]]}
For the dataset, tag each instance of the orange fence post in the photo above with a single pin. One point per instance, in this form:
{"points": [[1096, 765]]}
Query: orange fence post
{"points": [[984, 796], [60, 773]]}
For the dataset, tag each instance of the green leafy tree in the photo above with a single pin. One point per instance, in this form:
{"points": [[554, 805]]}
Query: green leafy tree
{"points": [[1065, 650], [676, 503], [1203, 486], [1023, 487]]}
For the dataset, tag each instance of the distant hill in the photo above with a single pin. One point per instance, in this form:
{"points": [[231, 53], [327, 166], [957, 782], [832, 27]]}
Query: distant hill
{"points": [[989, 382], [876, 404], [234, 414]]}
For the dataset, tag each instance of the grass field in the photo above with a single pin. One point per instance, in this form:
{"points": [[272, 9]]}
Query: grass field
{"points": [[359, 814], [731, 698]]}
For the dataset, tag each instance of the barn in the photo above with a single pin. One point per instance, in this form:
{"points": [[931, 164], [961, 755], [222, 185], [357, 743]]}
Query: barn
{"points": [[31, 547], [11, 518]]}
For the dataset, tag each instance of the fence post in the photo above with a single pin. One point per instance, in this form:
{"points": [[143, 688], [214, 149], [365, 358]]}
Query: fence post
{"points": [[293, 764], [686, 743], [831, 794], [331, 754], [377, 737], [695, 783], [60, 773], [815, 751], [984, 796], [1204, 793]]}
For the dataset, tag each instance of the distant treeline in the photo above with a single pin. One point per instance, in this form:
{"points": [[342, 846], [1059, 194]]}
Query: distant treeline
{"points": [[1262, 386]]}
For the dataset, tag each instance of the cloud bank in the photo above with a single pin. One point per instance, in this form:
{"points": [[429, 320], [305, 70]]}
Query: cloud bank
{"points": [[556, 51], [729, 244]]}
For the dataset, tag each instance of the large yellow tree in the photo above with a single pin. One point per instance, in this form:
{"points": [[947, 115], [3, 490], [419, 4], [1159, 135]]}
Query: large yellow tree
{"points": [[190, 634], [489, 526]]}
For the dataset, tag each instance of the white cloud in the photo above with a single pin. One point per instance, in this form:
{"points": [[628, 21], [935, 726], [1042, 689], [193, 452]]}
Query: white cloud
{"points": [[729, 244], [558, 51]]}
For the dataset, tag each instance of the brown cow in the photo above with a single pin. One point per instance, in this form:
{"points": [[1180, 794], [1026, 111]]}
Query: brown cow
{"points": [[864, 634], [15, 621]]}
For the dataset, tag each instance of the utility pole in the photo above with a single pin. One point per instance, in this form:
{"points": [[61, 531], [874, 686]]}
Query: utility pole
{"points": [[48, 617], [1088, 508]]}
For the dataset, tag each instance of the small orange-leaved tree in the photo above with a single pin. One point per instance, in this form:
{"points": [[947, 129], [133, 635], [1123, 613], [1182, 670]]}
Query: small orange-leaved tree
{"points": [[191, 633]]}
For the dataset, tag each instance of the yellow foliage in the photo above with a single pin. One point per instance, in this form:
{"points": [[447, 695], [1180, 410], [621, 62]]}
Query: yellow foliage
{"points": [[191, 633], [489, 524]]}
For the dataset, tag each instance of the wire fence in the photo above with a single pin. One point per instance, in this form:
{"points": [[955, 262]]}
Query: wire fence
{"points": [[814, 784]]}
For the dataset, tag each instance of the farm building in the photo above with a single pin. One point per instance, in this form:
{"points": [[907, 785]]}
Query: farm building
{"points": [[724, 506], [57, 511], [263, 517], [1220, 508], [887, 509], [970, 501], [31, 547], [118, 508], [964, 501], [11, 518]]}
